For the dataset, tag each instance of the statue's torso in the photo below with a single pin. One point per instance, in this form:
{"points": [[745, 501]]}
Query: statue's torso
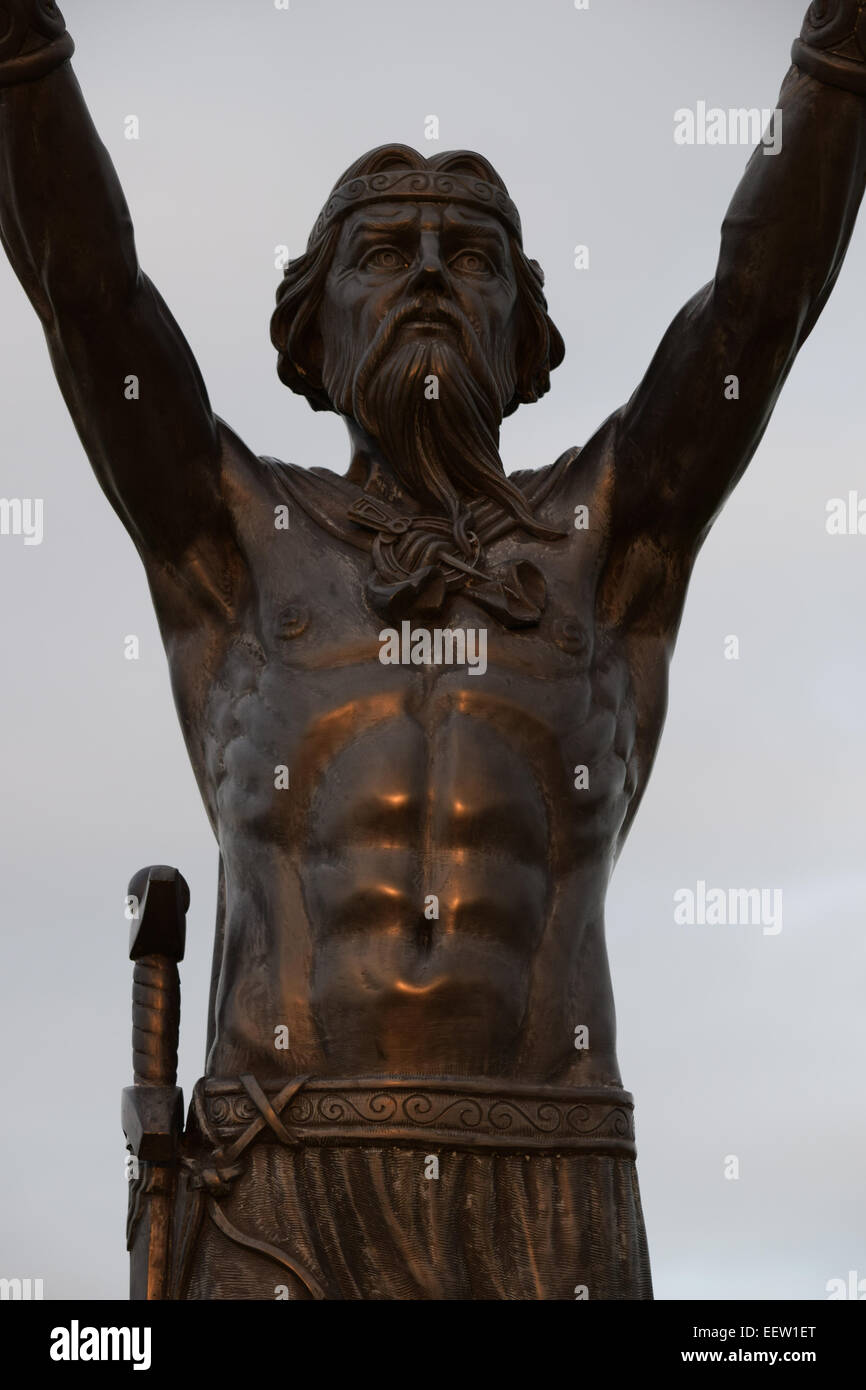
{"points": [[426, 894]]}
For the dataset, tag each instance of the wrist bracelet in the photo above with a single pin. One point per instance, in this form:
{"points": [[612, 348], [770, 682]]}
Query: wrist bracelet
{"points": [[33, 40], [832, 44], [830, 68]]}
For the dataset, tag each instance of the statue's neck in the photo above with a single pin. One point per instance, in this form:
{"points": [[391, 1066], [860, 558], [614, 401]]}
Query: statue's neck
{"points": [[371, 472]]}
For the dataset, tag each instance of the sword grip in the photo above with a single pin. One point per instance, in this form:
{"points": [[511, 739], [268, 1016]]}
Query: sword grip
{"points": [[155, 1021]]}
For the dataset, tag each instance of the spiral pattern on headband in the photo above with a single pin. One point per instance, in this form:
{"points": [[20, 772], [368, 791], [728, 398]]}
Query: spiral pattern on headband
{"points": [[411, 184]]}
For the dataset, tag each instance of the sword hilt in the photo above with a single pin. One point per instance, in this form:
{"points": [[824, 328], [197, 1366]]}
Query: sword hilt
{"points": [[153, 1107], [160, 899]]}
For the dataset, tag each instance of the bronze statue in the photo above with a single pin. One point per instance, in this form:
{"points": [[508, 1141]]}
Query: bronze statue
{"points": [[422, 699]]}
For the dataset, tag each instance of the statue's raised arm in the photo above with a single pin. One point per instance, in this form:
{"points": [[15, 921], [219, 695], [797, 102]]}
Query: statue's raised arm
{"points": [[65, 226], [694, 422]]}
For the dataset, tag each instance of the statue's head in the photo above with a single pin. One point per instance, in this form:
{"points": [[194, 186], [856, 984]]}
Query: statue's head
{"points": [[415, 313]]}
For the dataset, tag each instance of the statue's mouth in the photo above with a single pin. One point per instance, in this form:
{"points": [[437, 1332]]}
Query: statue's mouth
{"points": [[435, 323]]}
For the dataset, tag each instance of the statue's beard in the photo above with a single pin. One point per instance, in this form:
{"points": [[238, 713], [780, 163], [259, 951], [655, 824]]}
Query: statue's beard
{"points": [[434, 405]]}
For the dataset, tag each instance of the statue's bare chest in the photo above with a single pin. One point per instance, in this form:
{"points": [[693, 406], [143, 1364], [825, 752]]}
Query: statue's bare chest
{"points": [[328, 714]]}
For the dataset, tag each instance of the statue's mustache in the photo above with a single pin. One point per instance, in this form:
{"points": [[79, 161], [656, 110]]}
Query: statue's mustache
{"points": [[423, 309], [419, 309]]}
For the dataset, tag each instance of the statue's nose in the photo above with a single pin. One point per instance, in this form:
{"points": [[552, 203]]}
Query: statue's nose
{"points": [[429, 275], [429, 271]]}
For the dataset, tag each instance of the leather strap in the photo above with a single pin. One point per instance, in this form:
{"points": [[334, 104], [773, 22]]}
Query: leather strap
{"points": [[270, 1113], [263, 1247]]}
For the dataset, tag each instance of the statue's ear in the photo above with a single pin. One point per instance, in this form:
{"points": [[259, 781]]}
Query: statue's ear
{"points": [[307, 349], [296, 326], [540, 346], [296, 335]]}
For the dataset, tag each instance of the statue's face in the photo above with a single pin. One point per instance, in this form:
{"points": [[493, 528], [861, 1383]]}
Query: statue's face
{"points": [[420, 293], [390, 254]]}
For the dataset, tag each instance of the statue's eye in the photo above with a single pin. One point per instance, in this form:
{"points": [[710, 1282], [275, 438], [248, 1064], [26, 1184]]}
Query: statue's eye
{"points": [[385, 258], [471, 263]]}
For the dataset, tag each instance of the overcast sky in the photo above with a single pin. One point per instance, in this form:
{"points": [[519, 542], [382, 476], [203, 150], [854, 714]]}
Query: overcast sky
{"points": [[735, 1042]]}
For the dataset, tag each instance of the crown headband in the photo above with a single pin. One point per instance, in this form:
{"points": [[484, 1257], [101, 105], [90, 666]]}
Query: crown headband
{"points": [[412, 184]]}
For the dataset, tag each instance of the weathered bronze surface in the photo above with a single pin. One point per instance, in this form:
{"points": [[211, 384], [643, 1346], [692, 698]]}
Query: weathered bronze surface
{"points": [[413, 866]]}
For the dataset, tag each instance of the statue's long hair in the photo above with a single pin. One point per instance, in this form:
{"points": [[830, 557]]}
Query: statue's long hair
{"points": [[294, 325]]}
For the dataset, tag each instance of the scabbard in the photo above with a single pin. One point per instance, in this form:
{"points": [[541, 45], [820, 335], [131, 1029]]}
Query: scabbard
{"points": [[149, 1231]]}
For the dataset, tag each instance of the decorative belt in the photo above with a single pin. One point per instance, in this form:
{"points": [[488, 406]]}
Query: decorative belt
{"points": [[453, 1113]]}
